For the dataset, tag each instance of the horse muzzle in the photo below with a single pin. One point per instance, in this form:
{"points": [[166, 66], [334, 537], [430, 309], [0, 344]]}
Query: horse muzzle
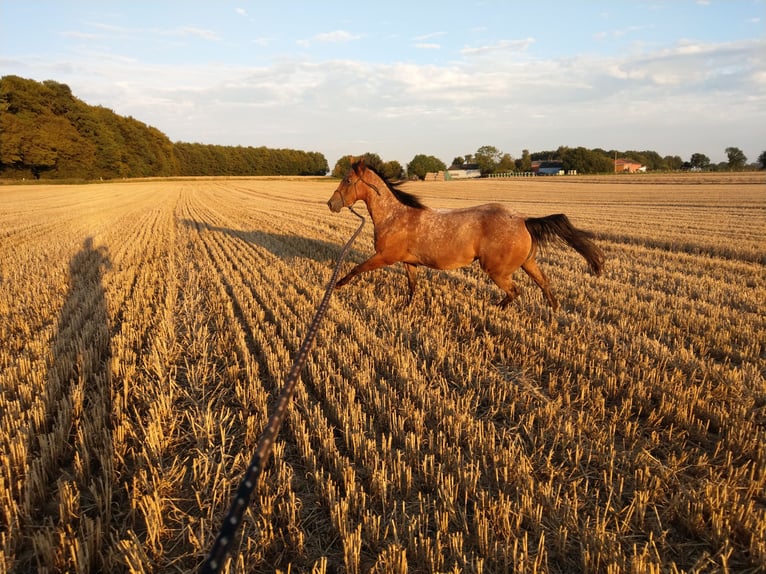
{"points": [[335, 203]]}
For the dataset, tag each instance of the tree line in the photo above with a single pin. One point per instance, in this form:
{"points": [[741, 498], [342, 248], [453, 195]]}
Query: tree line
{"points": [[48, 132], [490, 160]]}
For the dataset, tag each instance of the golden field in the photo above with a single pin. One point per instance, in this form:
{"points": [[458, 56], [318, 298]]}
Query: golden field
{"points": [[147, 327]]}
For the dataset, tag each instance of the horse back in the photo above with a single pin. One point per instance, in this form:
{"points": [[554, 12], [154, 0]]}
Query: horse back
{"points": [[452, 238]]}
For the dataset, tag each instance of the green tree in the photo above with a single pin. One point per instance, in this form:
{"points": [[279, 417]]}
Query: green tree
{"points": [[651, 159], [506, 163], [488, 157], [762, 159], [699, 161], [393, 170], [37, 137], [370, 159], [45, 130], [673, 162], [584, 160], [544, 156], [422, 164], [526, 161], [737, 159]]}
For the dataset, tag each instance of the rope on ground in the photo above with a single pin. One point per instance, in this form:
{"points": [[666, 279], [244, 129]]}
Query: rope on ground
{"points": [[223, 541]]}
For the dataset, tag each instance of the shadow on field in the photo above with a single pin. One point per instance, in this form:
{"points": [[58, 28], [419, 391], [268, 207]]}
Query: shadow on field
{"points": [[285, 246], [74, 439]]}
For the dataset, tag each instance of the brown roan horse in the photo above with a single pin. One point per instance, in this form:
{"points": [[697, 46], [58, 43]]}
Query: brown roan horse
{"points": [[502, 241]]}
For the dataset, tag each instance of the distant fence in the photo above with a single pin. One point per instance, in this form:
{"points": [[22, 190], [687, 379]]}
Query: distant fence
{"points": [[529, 173], [513, 174]]}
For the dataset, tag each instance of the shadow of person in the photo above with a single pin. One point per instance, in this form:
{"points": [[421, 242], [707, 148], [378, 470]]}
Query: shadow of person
{"points": [[71, 491]]}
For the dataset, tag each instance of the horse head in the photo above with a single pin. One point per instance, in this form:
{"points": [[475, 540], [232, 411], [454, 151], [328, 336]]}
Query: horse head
{"points": [[348, 191]]}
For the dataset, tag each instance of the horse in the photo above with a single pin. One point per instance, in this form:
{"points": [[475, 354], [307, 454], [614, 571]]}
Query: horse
{"points": [[407, 231]]}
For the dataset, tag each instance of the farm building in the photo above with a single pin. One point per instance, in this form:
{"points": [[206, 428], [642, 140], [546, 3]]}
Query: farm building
{"points": [[624, 165], [548, 168], [465, 171]]}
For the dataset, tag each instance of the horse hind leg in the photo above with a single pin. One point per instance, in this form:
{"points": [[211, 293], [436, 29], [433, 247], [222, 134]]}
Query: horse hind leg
{"points": [[531, 269], [505, 283]]}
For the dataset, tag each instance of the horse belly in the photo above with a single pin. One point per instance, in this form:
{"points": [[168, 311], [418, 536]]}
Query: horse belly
{"points": [[449, 261], [446, 247]]}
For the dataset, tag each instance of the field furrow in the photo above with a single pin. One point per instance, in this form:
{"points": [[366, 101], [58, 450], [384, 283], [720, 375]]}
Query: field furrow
{"points": [[147, 328]]}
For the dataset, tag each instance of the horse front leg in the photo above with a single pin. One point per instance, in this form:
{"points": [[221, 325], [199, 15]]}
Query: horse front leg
{"points": [[375, 262]]}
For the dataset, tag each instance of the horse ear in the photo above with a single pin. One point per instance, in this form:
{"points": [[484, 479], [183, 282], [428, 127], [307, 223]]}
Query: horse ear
{"points": [[357, 164]]}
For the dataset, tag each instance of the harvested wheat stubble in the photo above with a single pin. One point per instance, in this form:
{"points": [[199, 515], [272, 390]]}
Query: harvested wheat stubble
{"points": [[146, 328]]}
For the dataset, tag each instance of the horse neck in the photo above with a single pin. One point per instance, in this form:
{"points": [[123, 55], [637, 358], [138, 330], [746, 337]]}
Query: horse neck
{"points": [[381, 204]]}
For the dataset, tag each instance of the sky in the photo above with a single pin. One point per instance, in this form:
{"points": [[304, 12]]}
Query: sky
{"points": [[404, 78]]}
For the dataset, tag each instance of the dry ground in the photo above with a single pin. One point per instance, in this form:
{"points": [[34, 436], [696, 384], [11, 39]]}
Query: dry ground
{"points": [[146, 328]]}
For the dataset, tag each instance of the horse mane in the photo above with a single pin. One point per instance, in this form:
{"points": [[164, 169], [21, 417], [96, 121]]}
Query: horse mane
{"points": [[405, 198]]}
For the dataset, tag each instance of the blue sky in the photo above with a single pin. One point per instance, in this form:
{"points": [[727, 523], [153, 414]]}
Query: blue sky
{"points": [[402, 78]]}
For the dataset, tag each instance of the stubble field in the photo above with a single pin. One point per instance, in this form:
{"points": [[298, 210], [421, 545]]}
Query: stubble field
{"points": [[147, 327]]}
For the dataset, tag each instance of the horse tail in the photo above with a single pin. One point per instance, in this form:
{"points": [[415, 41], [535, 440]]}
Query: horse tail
{"points": [[558, 228]]}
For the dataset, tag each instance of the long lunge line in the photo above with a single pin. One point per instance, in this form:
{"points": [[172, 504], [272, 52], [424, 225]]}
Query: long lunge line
{"points": [[228, 530]]}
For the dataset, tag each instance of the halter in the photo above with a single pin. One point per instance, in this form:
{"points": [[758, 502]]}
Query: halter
{"points": [[359, 178]]}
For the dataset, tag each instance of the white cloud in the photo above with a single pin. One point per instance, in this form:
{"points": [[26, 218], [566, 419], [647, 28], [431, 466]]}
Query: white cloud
{"points": [[195, 32], [501, 46], [335, 37], [429, 36], [82, 35], [425, 46]]}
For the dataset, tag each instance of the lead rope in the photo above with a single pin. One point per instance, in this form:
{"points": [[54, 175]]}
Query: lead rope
{"points": [[228, 530]]}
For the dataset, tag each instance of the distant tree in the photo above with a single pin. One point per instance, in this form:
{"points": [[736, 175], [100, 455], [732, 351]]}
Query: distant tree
{"points": [[458, 162], [488, 158], [762, 159], [392, 170], [584, 160], [370, 159], [45, 130], [699, 161], [526, 161], [422, 164], [544, 156], [737, 159], [673, 162], [652, 160], [506, 163], [341, 167], [199, 159]]}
